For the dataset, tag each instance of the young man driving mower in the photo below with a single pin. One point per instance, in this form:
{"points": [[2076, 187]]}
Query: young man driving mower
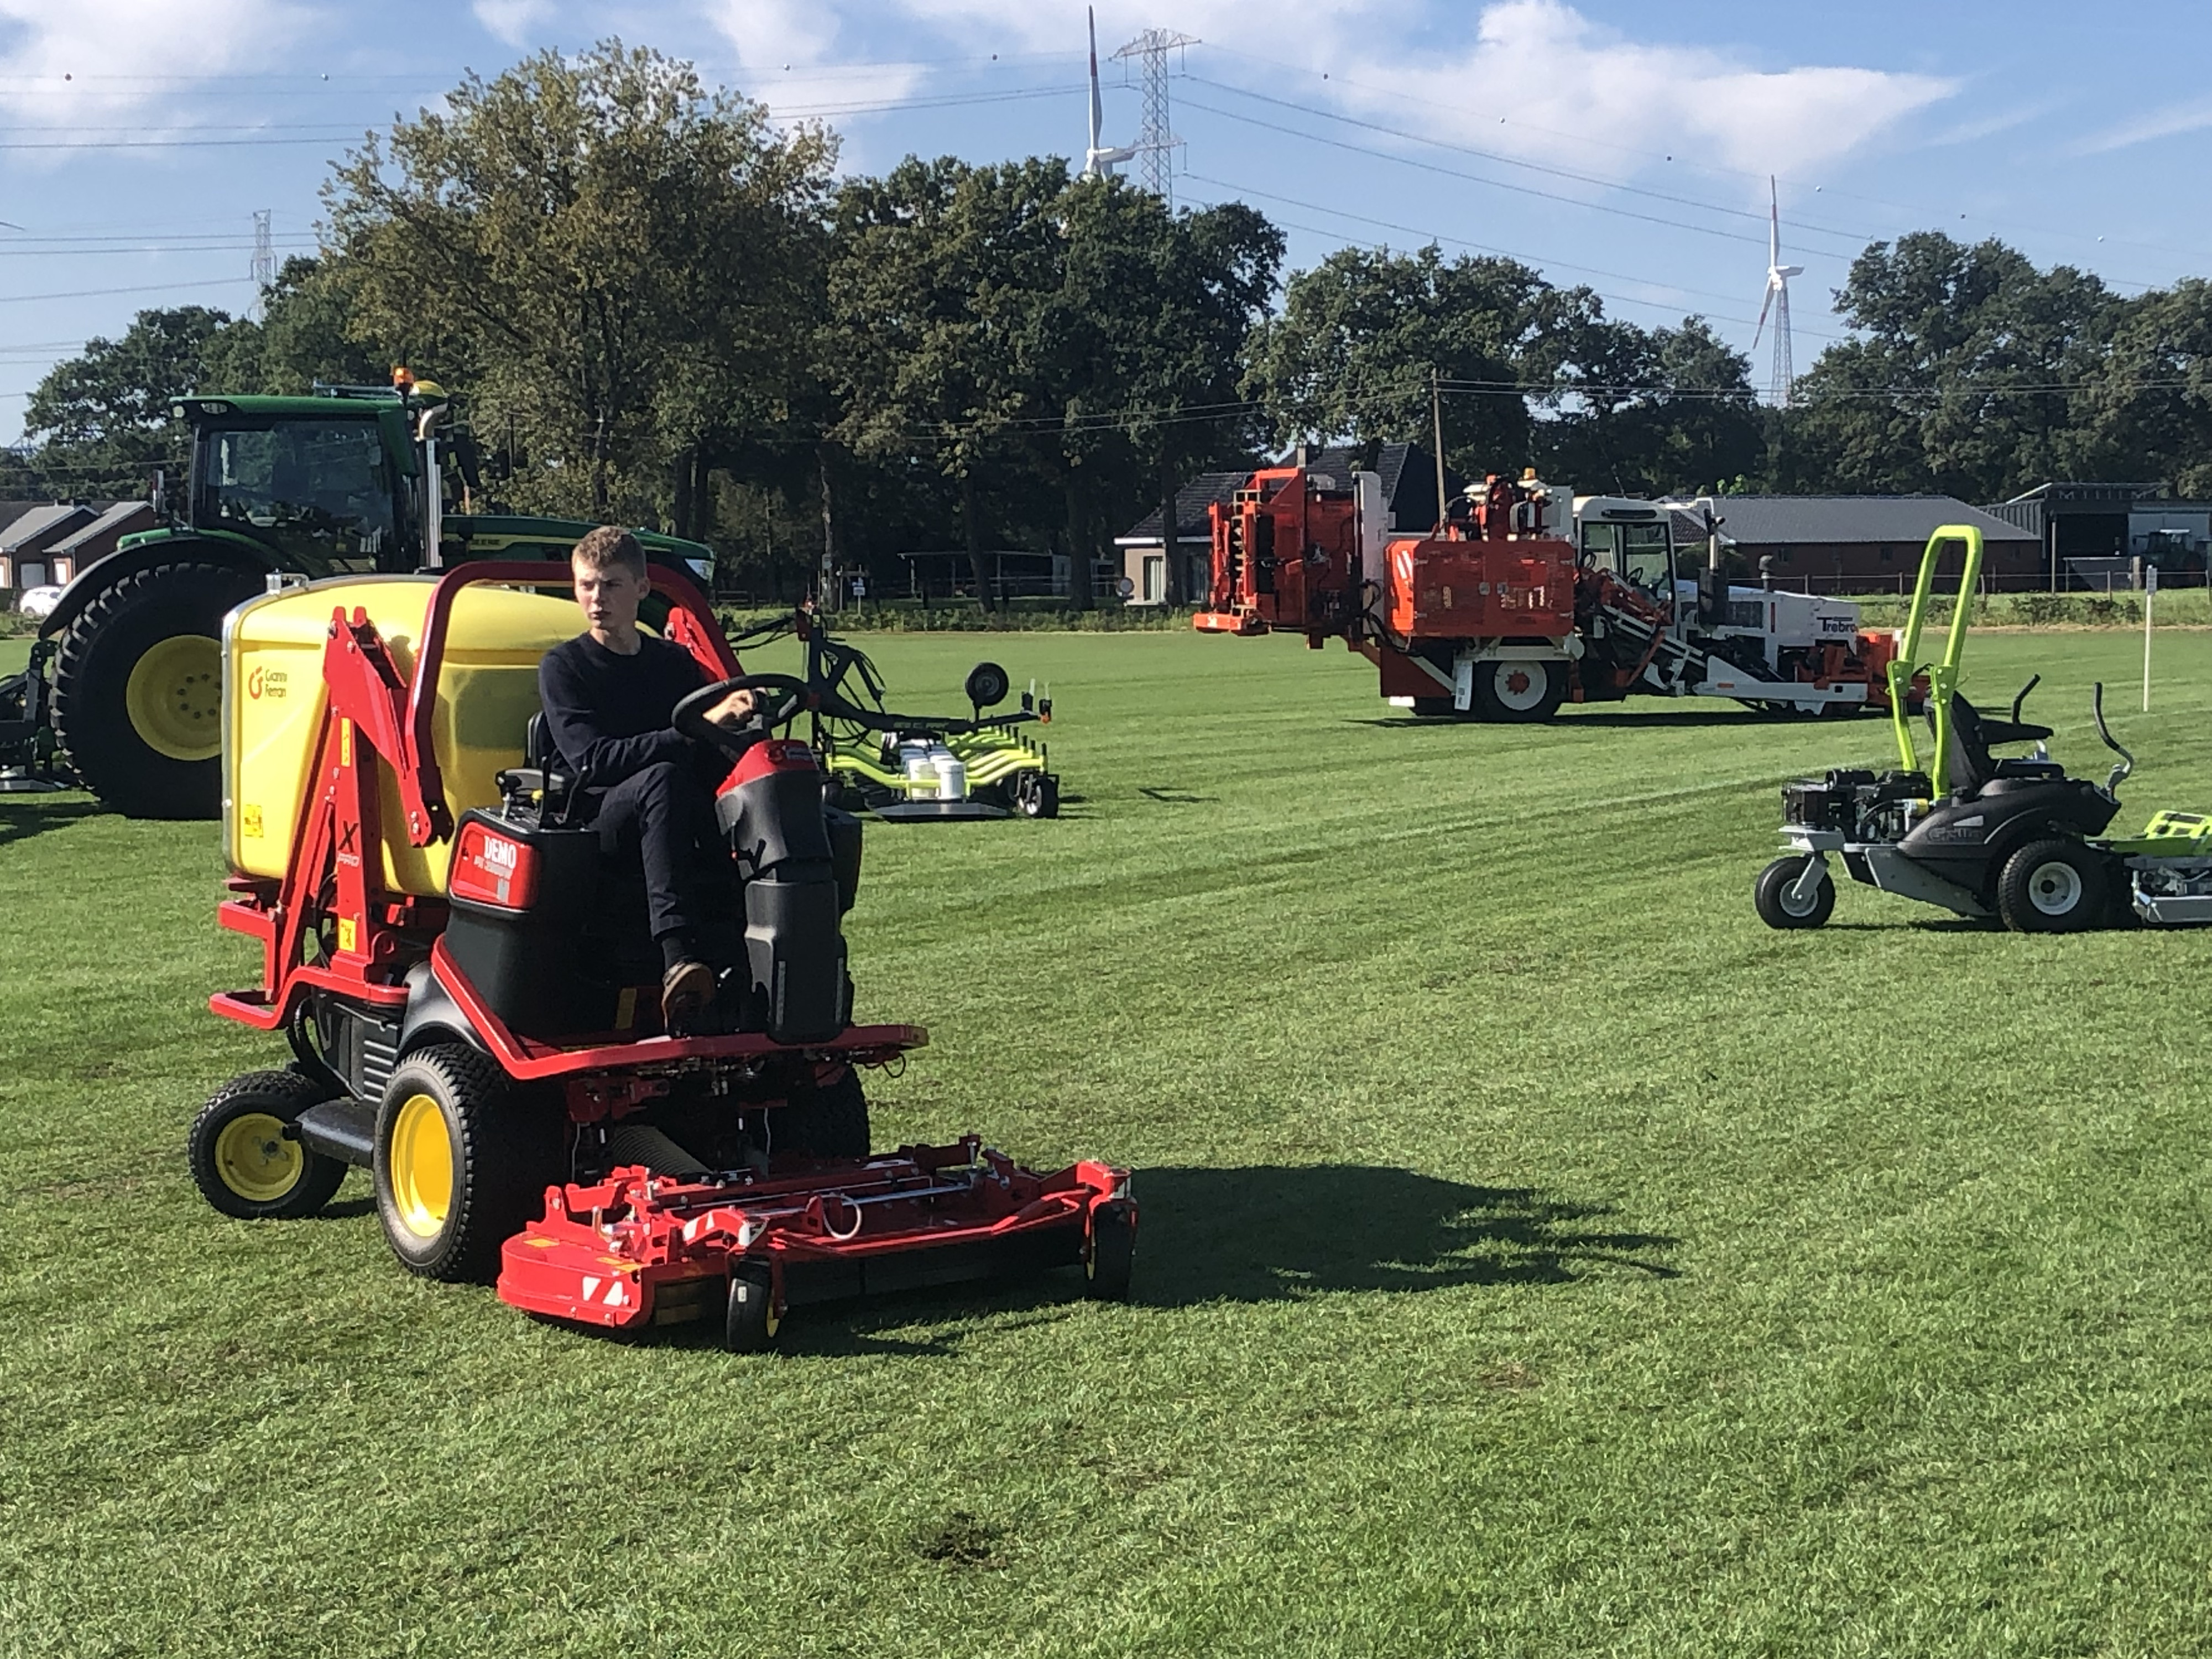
{"points": [[610, 697]]}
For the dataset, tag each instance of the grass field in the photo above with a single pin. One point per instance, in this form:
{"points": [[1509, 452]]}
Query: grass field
{"points": [[1539, 1255]]}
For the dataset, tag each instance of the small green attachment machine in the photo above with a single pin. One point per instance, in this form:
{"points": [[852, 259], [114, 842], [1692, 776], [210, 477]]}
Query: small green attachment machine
{"points": [[984, 767], [2015, 839], [125, 680]]}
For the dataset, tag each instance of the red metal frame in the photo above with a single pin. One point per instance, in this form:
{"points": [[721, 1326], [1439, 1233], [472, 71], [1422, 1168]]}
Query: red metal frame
{"points": [[603, 1253]]}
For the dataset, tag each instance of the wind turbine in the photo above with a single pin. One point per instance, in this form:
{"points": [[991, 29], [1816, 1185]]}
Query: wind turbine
{"points": [[1778, 300], [1099, 161]]}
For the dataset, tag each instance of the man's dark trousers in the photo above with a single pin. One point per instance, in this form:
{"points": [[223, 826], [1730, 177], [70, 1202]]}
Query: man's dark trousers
{"points": [[666, 814]]}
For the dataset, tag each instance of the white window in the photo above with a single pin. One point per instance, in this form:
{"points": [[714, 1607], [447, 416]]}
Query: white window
{"points": [[1156, 579]]}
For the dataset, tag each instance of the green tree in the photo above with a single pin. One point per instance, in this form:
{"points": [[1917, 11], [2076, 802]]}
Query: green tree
{"points": [[1649, 411], [1968, 374], [580, 243], [1360, 334], [305, 335]]}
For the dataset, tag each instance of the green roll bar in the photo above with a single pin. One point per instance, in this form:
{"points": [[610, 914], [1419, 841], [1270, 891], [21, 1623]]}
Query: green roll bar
{"points": [[1942, 676]]}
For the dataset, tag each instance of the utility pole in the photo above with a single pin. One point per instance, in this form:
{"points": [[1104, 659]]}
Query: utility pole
{"points": [[265, 264], [1156, 143], [1436, 425]]}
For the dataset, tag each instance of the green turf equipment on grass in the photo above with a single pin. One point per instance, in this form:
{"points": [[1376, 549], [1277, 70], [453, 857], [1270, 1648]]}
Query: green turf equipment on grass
{"points": [[1980, 836], [931, 769]]}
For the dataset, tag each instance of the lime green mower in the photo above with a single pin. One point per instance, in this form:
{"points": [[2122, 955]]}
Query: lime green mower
{"points": [[2015, 838], [926, 768]]}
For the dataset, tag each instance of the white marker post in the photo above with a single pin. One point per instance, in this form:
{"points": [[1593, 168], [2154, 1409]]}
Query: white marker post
{"points": [[2150, 593]]}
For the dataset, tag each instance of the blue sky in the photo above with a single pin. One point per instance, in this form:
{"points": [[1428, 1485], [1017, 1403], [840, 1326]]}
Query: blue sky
{"points": [[1624, 145]]}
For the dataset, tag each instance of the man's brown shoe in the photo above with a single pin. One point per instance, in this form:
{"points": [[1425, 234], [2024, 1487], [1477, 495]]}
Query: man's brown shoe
{"points": [[686, 988]]}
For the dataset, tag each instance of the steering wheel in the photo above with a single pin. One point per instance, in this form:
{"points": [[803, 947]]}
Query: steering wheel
{"points": [[690, 714]]}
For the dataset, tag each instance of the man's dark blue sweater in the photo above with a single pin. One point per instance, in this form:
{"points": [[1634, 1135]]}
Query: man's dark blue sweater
{"points": [[610, 713], [610, 717]]}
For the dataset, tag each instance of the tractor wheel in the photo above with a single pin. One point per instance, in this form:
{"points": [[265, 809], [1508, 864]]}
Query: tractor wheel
{"points": [[243, 1161], [2051, 887], [1041, 798], [138, 690], [822, 1120], [1778, 907], [1519, 690], [1434, 709], [1110, 1254], [750, 1323], [462, 1163]]}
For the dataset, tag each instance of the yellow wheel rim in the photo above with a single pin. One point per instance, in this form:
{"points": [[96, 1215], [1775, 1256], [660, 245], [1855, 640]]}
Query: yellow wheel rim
{"points": [[256, 1160], [174, 698], [421, 1165]]}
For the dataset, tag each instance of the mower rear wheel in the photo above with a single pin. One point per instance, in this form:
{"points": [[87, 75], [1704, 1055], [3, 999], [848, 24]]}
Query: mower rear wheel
{"points": [[2051, 887], [244, 1163], [1110, 1254], [1519, 690], [1039, 797], [461, 1164], [1778, 906], [750, 1323]]}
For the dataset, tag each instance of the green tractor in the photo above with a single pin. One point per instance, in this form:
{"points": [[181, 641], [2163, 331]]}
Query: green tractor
{"points": [[125, 679]]}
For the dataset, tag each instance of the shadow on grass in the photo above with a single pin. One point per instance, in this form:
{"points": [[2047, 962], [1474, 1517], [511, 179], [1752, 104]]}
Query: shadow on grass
{"points": [[23, 817], [1671, 717], [1176, 797], [1254, 1236], [1261, 1235]]}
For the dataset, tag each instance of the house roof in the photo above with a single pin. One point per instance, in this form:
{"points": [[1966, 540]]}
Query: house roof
{"points": [[115, 520], [1762, 520], [41, 525]]}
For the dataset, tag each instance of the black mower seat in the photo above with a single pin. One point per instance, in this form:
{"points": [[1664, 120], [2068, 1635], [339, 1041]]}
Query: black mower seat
{"points": [[1972, 734]]}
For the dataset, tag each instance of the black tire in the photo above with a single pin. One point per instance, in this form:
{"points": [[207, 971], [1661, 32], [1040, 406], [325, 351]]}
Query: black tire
{"points": [[825, 1120], [1434, 709], [1771, 896], [174, 769], [750, 1321], [1519, 692], [2053, 886], [497, 1156], [1041, 798], [1110, 1254], [245, 1165]]}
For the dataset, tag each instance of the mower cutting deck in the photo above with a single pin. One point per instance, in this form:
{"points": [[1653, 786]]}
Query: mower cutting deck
{"points": [[473, 1003]]}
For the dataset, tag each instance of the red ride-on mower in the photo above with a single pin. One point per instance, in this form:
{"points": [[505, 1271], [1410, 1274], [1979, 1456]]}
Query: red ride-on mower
{"points": [[491, 1043]]}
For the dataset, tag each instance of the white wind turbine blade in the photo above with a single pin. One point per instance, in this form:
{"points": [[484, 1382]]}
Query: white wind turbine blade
{"points": [[1097, 109], [1765, 305]]}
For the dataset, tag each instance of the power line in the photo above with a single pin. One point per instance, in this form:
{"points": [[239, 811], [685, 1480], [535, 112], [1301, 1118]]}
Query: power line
{"points": [[101, 292]]}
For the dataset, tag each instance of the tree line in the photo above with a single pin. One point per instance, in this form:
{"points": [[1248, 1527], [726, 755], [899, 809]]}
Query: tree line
{"points": [[663, 309]]}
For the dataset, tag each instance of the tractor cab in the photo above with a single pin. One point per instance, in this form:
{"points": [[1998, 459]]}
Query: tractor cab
{"points": [[328, 486], [1631, 540]]}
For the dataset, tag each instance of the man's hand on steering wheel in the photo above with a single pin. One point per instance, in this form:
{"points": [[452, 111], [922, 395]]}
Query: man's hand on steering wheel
{"points": [[733, 710]]}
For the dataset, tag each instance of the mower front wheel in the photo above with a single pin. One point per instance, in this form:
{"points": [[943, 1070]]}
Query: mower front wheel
{"points": [[1779, 904], [1111, 1255], [2051, 887], [244, 1159], [461, 1164], [1040, 795], [751, 1321]]}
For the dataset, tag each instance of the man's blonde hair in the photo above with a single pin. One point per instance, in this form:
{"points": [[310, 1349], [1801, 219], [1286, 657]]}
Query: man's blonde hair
{"points": [[611, 544]]}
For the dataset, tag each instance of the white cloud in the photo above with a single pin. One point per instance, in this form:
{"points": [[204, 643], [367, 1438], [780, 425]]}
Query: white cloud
{"points": [[1567, 88], [514, 20], [92, 60], [2166, 122], [1556, 77]]}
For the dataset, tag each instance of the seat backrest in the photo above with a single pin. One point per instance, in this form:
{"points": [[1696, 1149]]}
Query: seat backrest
{"points": [[1969, 766], [538, 749]]}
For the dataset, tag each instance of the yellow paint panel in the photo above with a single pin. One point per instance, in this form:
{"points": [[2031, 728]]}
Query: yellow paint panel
{"points": [[486, 696]]}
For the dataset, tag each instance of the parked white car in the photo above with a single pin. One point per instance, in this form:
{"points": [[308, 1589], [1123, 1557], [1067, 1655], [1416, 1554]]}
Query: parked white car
{"points": [[39, 601]]}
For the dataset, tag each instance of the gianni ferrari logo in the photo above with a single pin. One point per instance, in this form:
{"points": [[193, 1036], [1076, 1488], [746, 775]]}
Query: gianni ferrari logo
{"points": [[265, 683]]}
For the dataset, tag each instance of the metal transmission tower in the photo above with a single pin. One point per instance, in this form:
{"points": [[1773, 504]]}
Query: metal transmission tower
{"points": [[1156, 143], [1778, 300], [265, 262]]}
